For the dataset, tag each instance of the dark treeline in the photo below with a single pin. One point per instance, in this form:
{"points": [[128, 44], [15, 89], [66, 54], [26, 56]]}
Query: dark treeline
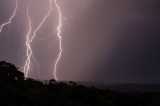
{"points": [[15, 90]]}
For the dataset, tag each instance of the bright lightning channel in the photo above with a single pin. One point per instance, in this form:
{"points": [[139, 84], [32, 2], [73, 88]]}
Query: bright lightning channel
{"points": [[29, 49], [11, 18], [30, 40], [59, 27]]}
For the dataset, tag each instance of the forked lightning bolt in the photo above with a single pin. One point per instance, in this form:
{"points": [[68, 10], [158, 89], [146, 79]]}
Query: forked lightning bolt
{"points": [[29, 39], [11, 18], [59, 27]]}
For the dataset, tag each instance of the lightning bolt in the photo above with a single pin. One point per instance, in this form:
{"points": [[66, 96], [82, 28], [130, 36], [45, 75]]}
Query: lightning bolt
{"points": [[29, 49], [59, 27], [11, 18], [29, 39]]}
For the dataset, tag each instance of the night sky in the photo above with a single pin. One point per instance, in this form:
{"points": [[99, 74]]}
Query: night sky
{"points": [[103, 40]]}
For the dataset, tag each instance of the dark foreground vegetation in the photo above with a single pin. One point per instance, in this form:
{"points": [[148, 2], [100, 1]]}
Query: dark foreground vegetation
{"points": [[15, 90]]}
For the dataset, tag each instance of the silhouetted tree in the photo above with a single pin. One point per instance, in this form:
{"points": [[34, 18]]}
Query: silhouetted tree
{"points": [[52, 81], [10, 72]]}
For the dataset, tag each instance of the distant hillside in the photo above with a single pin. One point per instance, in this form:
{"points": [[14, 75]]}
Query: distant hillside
{"points": [[125, 87], [136, 87]]}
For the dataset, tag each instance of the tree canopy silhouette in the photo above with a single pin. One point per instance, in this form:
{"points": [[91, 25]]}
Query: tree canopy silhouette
{"points": [[10, 72]]}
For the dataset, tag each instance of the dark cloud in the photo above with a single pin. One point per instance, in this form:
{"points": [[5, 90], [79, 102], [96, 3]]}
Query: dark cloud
{"points": [[106, 40]]}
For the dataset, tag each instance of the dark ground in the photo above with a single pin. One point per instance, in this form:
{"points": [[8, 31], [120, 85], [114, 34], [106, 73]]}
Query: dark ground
{"points": [[15, 90]]}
